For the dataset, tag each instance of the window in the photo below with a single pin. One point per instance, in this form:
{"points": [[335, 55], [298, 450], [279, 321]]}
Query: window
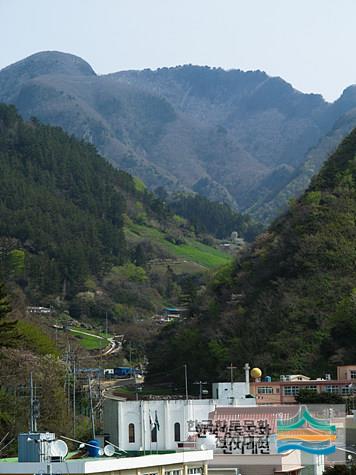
{"points": [[353, 374], [194, 470], [346, 390], [173, 472], [131, 433], [177, 432], [332, 388], [291, 390], [154, 434], [265, 390], [310, 387]]}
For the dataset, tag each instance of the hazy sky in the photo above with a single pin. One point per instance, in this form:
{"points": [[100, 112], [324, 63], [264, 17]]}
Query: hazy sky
{"points": [[310, 43]]}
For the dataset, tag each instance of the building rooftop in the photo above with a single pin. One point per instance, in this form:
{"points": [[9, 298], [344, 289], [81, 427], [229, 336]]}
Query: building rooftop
{"points": [[104, 464]]}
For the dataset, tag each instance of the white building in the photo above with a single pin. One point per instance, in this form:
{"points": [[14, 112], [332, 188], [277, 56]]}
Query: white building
{"points": [[172, 425], [130, 423], [233, 394]]}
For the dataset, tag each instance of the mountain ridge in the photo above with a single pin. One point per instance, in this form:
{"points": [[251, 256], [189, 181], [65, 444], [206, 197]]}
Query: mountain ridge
{"points": [[233, 136]]}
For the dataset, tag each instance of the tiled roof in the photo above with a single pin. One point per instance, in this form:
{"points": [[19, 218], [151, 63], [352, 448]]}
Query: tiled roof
{"points": [[270, 414]]}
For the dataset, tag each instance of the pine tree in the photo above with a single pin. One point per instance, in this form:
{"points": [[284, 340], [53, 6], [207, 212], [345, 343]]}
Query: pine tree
{"points": [[8, 333]]}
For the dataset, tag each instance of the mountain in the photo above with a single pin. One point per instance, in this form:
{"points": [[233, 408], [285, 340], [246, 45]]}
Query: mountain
{"points": [[288, 305], [277, 201], [82, 236], [93, 245], [232, 136], [270, 120]]}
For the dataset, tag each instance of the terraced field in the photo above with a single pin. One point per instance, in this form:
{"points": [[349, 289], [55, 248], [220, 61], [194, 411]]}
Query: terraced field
{"points": [[190, 252]]}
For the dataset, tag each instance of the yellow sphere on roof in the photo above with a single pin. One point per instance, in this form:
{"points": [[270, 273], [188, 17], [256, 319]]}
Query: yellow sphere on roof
{"points": [[256, 373]]}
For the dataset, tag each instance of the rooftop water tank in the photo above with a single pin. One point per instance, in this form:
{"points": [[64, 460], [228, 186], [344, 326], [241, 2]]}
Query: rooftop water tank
{"points": [[93, 448]]}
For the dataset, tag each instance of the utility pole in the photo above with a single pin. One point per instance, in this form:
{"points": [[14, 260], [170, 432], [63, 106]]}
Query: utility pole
{"points": [[91, 408], [68, 388], [106, 325], [31, 404], [231, 368], [200, 388], [186, 381], [35, 408], [74, 399]]}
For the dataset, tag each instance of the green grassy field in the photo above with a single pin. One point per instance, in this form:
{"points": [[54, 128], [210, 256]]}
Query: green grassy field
{"points": [[89, 342], [191, 250]]}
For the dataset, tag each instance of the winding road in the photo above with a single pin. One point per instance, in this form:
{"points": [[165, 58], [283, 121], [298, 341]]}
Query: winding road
{"points": [[115, 342]]}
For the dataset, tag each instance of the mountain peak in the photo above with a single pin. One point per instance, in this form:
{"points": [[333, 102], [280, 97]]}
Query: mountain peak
{"points": [[349, 95], [51, 62]]}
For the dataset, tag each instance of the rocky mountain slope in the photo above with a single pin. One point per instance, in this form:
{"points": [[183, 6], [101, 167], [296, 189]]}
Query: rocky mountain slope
{"points": [[277, 201], [234, 136]]}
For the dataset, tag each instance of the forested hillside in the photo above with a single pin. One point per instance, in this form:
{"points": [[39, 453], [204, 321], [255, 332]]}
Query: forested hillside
{"points": [[95, 247], [289, 305], [22, 353], [79, 234], [61, 203], [217, 219], [232, 136]]}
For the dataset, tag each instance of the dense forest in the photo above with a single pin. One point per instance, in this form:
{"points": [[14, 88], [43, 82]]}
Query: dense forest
{"points": [[289, 304], [217, 219], [61, 207]]}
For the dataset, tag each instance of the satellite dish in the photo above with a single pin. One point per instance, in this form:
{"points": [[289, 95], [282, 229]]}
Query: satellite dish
{"points": [[58, 448], [109, 450], [101, 452]]}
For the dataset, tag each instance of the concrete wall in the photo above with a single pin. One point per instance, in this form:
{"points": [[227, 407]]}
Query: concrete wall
{"points": [[231, 394]]}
